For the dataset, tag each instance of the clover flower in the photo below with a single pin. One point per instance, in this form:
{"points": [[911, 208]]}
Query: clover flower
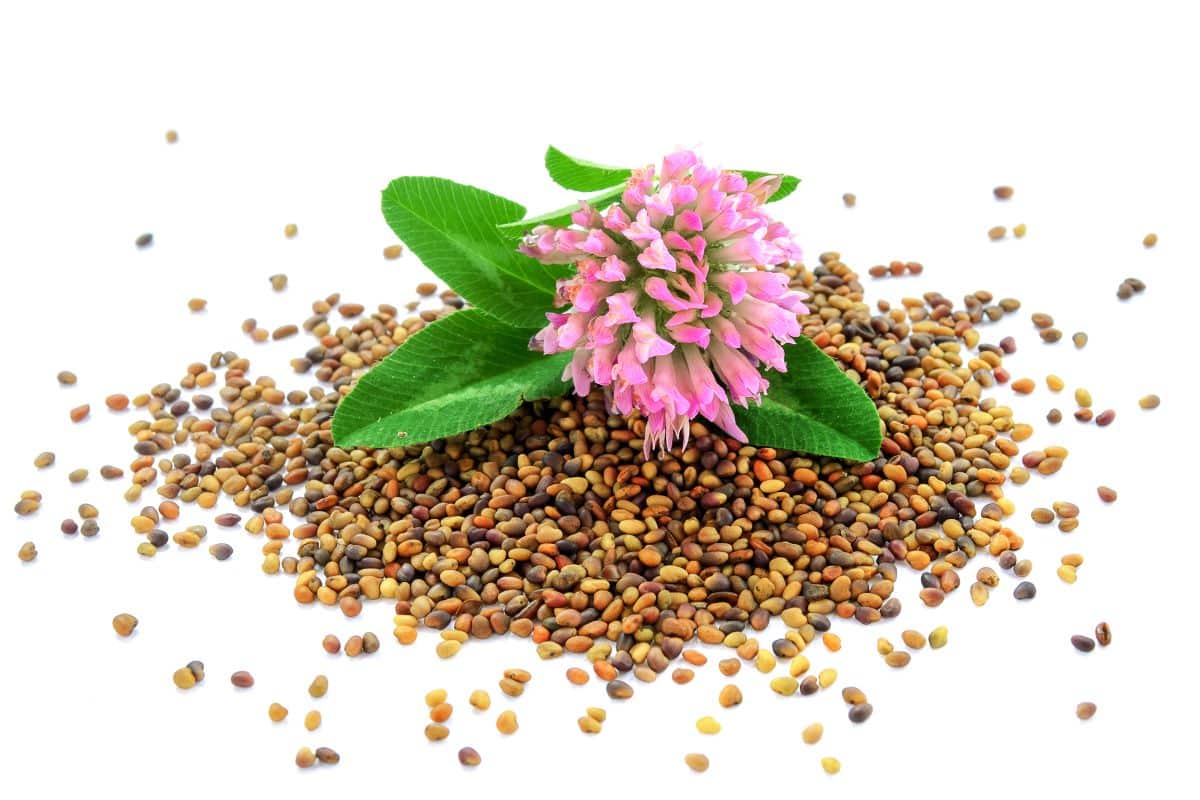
{"points": [[671, 308]]}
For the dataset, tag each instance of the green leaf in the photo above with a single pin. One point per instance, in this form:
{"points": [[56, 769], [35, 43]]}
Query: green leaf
{"points": [[560, 217], [463, 371], [579, 175], [815, 408], [585, 176], [451, 227]]}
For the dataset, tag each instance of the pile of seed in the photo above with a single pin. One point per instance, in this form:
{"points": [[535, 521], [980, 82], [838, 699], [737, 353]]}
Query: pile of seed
{"points": [[550, 525]]}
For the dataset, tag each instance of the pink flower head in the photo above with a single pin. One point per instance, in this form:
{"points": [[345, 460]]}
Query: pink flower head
{"points": [[672, 308]]}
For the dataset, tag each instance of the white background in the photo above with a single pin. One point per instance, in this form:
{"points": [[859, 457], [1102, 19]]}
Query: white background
{"points": [[296, 112]]}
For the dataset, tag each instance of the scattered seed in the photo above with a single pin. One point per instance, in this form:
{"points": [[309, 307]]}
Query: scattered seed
{"points": [[69, 527], [784, 685], [145, 240], [729, 696], [708, 725], [67, 378], [426, 289], [812, 734], [1067, 573], [979, 593], [913, 639], [312, 720], [276, 712], [220, 551], [197, 304], [1022, 568], [1084, 644], [1003, 192], [861, 712], [43, 460], [1025, 591], [1150, 240], [1085, 711], [279, 281], [897, 659], [1105, 418], [831, 765], [938, 637], [319, 686], [469, 757], [305, 758], [1054, 416], [393, 251], [480, 700], [242, 679], [124, 624], [996, 233], [1019, 230], [827, 677], [1080, 339], [506, 723], [27, 552], [284, 331], [441, 712], [1149, 401], [290, 230], [1042, 516], [79, 413], [436, 732], [698, 762], [77, 475], [1055, 383], [327, 755], [852, 695], [588, 725], [620, 690]]}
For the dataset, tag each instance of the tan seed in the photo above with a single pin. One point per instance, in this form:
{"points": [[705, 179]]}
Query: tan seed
{"points": [[312, 720], [290, 230], [913, 639], [43, 460], [1149, 401], [392, 251], [997, 233], [897, 659], [319, 686], [506, 723], [27, 552], [172, 136], [479, 700], [812, 734], [1003, 192], [305, 758], [1150, 240], [436, 732], [1085, 711], [276, 712], [426, 289], [124, 624], [197, 304], [849, 200]]}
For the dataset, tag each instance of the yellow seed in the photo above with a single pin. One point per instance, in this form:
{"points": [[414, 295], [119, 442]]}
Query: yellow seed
{"points": [[827, 677], [1019, 230], [729, 696], [319, 686], [598, 714], [312, 720], [506, 723], [1073, 559], [938, 637], [435, 732], [1149, 401], [697, 761], [785, 685], [290, 230], [883, 646], [812, 734], [764, 662], [708, 725], [1067, 573], [1083, 398], [588, 725], [305, 757], [831, 765], [147, 549], [447, 648], [435, 697], [798, 666], [479, 699], [172, 137], [1055, 383], [1150, 240], [184, 678], [276, 712]]}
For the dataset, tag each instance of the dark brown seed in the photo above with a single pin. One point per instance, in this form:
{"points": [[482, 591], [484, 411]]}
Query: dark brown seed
{"points": [[1103, 634], [1084, 644], [109, 472], [227, 520], [619, 690], [145, 240], [1003, 192], [1106, 417], [242, 679], [327, 755], [469, 757], [370, 643], [69, 527], [1025, 591], [220, 551], [1085, 711], [1084, 415], [1124, 291], [860, 712], [1054, 416]]}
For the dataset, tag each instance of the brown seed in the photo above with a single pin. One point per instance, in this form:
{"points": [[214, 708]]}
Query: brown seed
{"points": [[1025, 591], [393, 251], [79, 413], [860, 712], [67, 378], [27, 552], [220, 551], [327, 755], [284, 331], [1106, 494], [1085, 711], [897, 659], [124, 624], [577, 676], [116, 402], [979, 593], [69, 527], [354, 646], [1041, 320], [469, 757], [1042, 516], [305, 758], [77, 475], [698, 762], [1003, 192], [43, 460], [319, 686], [619, 690], [1103, 634], [242, 679], [370, 643], [1150, 240], [1084, 415], [290, 230], [197, 304], [1105, 418], [1050, 335], [1149, 401], [997, 232], [436, 732], [1054, 416], [145, 240], [1084, 644], [730, 696], [1080, 339], [913, 639], [1022, 568], [426, 289], [853, 695]]}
